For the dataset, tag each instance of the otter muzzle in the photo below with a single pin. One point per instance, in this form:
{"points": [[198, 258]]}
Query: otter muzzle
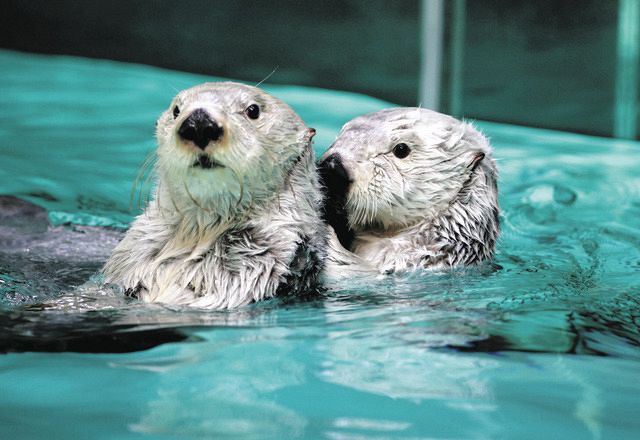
{"points": [[334, 175], [201, 129], [335, 182]]}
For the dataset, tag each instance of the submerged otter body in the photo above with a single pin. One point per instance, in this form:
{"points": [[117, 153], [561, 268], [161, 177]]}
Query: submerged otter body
{"points": [[409, 188], [234, 215]]}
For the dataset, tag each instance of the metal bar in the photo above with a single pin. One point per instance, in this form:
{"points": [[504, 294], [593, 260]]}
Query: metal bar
{"points": [[628, 53], [432, 19], [458, 32]]}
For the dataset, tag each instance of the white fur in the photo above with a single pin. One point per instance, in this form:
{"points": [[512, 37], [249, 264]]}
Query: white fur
{"points": [[435, 208], [224, 237]]}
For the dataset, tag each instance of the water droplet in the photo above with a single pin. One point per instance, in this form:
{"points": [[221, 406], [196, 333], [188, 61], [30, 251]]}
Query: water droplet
{"points": [[563, 195]]}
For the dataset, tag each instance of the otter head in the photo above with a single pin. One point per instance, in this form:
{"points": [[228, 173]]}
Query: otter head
{"points": [[225, 146], [396, 168]]}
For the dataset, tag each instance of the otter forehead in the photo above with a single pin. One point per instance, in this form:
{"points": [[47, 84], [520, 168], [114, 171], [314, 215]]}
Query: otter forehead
{"points": [[223, 92], [377, 133], [399, 118]]}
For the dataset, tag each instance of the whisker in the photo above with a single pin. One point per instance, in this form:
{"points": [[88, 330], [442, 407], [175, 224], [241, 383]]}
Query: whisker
{"points": [[236, 175], [191, 197], [148, 191], [173, 202], [149, 160], [173, 87], [159, 207], [394, 165], [268, 76]]}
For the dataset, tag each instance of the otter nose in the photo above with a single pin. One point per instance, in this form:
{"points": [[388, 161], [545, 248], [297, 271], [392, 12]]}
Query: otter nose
{"points": [[334, 175], [200, 128], [335, 182]]}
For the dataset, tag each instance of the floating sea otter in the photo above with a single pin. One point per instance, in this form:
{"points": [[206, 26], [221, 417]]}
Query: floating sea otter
{"points": [[235, 215], [409, 188]]}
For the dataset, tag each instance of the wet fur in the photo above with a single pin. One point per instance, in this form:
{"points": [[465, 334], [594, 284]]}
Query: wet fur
{"points": [[436, 208], [223, 238]]}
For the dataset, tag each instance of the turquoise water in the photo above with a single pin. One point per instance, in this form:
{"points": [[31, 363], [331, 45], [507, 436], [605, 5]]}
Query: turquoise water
{"points": [[543, 345]]}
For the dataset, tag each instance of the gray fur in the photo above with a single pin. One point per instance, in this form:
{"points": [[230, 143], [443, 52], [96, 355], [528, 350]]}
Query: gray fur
{"points": [[222, 238], [436, 208]]}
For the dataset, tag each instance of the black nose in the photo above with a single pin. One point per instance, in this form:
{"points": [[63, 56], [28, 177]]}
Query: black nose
{"points": [[201, 129], [335, 182], [334, 176]]}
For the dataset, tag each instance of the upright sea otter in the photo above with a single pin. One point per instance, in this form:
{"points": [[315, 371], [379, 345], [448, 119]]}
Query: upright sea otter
{"points": [[235, 214]]}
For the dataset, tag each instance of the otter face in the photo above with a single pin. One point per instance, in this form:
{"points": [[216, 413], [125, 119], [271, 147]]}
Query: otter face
{"points": [[221, 145], [394, 168]]}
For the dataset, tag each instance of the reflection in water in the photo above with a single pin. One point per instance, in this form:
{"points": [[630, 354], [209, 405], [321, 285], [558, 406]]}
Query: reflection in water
{"points": [[226, 390], [561, 296], [90, 332]]}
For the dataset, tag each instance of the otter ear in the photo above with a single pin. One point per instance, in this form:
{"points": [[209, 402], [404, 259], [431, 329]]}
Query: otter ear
{"points": [[476, 158], [306, 136], [311, 133]]}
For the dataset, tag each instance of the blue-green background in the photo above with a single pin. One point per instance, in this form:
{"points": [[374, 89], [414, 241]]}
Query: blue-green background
{"points": [[547, 63]]}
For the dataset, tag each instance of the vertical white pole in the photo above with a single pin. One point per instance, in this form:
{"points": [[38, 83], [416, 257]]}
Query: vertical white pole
{"points": [[432, 29], [457, 57], [626, 103]]}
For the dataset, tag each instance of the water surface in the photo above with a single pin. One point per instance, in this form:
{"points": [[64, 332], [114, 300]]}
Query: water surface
{"points": [[543, 344]]}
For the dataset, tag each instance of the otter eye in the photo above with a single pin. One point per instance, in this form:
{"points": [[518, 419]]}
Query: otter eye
{"points": [[253, 111], [401, 151], [176, 112]]}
